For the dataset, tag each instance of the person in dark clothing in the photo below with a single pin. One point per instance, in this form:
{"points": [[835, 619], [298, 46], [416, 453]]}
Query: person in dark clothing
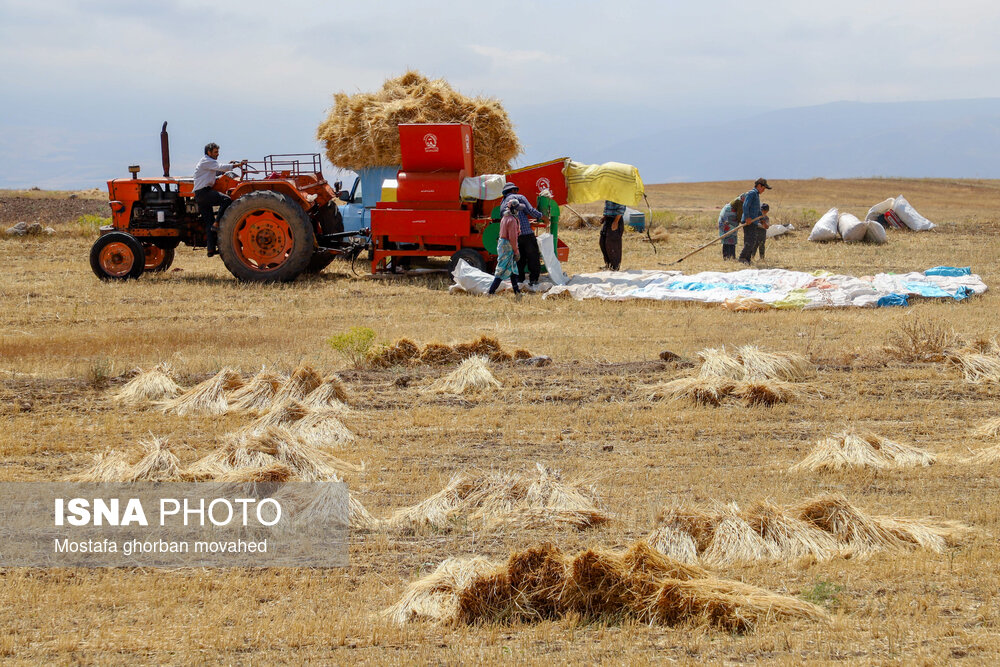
{"points": [[765, 222], [527, 245], [729, 218], [612, 227], [753, 231]]}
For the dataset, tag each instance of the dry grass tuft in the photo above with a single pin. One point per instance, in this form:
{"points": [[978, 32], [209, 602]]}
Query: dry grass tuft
{"points": [[541, 583], [360, 131], [851, 449], [921, 340], [207, 398], [156, 384], [472, 375], [258, 394]]}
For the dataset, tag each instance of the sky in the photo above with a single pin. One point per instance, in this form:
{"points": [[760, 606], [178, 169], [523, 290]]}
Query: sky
{"points": [[85, 86]]}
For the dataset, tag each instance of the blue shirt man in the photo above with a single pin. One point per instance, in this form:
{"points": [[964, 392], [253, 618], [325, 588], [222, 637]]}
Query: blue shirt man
{"points": [[753, 233], [528, 254], [524, 211]]}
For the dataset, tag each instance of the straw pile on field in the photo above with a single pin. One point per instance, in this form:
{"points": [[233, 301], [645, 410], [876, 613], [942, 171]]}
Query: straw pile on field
{"points": [[208, 398], [405, 352], [822, 527], [258, 394], [543, 583], [851, 449], [506, 501], [989, 428], [979, 365], [472, 375], [303, 381], [158, 464], [109, 466], [156, 384], [751, 376], [361, 130]]}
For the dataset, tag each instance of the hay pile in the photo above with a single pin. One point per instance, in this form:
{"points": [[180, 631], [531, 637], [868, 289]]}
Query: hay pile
{"points": [[258, 394], [208, 398], [751, 377], [405, 352], [361, 130], [156, 384], [979, 362], [822, 527], [851, 449], [543, 583], [158, 464], [472, 375], [506, 501]]}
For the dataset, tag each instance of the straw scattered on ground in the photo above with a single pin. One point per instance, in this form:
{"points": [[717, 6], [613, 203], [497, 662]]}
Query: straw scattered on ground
{"points": [[824, 527], [978, 367], [542, 583], [156, 384], [852, 449], [361, 130]]}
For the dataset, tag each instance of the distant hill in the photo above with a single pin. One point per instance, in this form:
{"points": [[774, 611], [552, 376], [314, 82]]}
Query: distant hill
{"points": [[950, 139]]}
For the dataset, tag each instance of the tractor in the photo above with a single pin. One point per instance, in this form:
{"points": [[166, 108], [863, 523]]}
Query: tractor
{"points": [[283, 221]]}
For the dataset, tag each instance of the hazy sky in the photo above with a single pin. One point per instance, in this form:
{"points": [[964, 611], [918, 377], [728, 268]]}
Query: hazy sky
{"points": [[86, 85]]}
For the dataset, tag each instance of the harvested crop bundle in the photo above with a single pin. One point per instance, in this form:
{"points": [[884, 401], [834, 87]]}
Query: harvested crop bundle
{"points": [[159, 464], [472, 375], [323, 428], [361, 130], [704, 390], [303, 381], [989, 428], [281, 413], [786, 366], [155, 384], [109, 466], [542, 583], [208, 398], [331, 395], [977, 367], [258, 394], [438, 353], [403, 351], [720, 364], [851, 449]]}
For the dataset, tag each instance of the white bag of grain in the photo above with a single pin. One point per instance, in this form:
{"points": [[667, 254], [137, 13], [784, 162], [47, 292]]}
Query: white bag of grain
{"points": [[874, 232], [879, 208], [905, 212], [826, 228], [851, 229]]}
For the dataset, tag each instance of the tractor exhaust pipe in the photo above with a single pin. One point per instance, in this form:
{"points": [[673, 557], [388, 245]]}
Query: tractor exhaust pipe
{"points": [[165, 150]]}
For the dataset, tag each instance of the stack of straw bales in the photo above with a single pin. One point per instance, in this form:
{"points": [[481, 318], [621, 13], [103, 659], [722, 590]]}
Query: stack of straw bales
{"points": [[824, 527], [405, 352], [542, 583], [156, 384], [506, 501], [851, 449], [361, 130], [751, 376]]}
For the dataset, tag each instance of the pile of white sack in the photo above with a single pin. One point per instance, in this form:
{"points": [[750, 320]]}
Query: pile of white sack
{"points": [[836, 225]]}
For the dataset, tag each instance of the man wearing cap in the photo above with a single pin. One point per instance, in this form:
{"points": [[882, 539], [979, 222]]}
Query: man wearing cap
{"points": [[754, 231], [527, 246]]}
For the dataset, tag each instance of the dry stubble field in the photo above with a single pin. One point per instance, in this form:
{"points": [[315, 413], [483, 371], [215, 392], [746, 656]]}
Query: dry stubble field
{"points": [[67, 340]]}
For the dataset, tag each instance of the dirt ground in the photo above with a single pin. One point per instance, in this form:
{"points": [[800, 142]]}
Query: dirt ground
{"points": [[67, 341]]}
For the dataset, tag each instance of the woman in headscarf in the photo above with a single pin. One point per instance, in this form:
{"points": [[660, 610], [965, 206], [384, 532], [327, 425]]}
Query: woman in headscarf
{"points": [[507, 249]]}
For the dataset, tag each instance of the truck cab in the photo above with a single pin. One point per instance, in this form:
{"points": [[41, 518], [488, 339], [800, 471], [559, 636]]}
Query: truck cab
{"points": [[363, 195]]}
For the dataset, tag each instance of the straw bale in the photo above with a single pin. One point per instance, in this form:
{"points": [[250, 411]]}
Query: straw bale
{"points": [[257, 395], [848, 525], [862, 450], [760, 365], [484, 346], [735, 541], [643, 559], [703, 390], [435, 597], [697, 522], [403, 351], [472, 375], [209, 397], [156, 384], [303, 381], [361, 130], [159, 464], [109, 466], [438, 354], [600, 585], [674, 543], [720, 364], [323, 428], [331, 395]]}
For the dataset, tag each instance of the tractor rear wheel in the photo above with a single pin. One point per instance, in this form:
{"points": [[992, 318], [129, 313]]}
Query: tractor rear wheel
{"points": [[117, 256], [266, 237], [471, 257], [157, 259]]}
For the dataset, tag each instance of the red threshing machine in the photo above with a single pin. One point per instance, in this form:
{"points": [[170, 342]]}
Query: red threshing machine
{"points": [[428, 217]]}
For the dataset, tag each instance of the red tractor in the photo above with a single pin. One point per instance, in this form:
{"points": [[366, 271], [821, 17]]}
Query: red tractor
{"points": [[283, 221]]}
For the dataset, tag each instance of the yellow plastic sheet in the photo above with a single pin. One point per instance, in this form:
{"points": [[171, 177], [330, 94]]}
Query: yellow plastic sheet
{"points": [[612, 181]]}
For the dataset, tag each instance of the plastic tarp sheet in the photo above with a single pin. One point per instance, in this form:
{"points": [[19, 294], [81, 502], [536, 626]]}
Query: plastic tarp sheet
{"points": [[485, 187], [775, 288]]}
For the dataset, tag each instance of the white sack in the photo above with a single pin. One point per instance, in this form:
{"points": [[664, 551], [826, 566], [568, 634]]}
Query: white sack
{"points": [[552, 265], [486, 186], [879, 208], [851, 229], [778, 230], [826, 228], [910, 217], [874, 232]]}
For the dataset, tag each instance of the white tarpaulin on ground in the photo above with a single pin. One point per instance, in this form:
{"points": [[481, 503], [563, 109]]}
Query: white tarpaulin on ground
{"points": [[752, 288]]}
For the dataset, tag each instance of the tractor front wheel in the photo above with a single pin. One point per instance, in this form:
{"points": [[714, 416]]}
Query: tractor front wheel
{"points": [[471, 257], [266, 237], [157, 259], [117, 256]]}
